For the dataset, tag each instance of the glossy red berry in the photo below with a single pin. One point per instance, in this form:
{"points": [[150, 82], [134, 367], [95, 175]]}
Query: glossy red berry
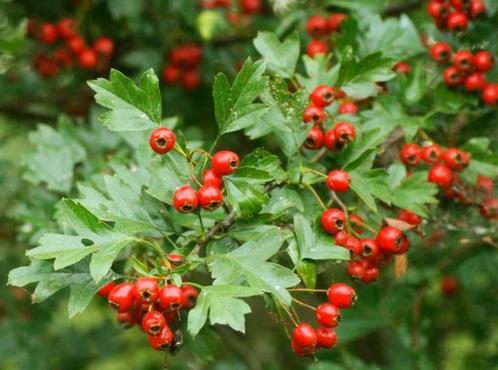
{"points": [[340, 238], [314, 140], [334, 21], [317, 26], [353, 245], [67, 27], [304, 336], [456, 159], [341, 295], [125, 320], [210, 177], [63, 57], [484, 184], [402, 68], [356, 222], [251, 6], [457, 21], [329, 140], [189, 296], [121, 297], [87, 59], [449, 285], [490, 94], [333, 220], [440, 175], [355, 270], [190, 79], [475, 82], [348, 107], [316, 47], [328, 315], [185, 199], [369, 249], [163, 340], [106, 289], [452, 77], [441, 52], [338, 181], [477, 9], [489, 209], [146, 290], [463, 60], [389, 239], [431, 153], [170, 297], [370, 274], [171, 74], [162, 140], [460, 4], [210, 197], [314, 114], [302, 351], [225, 162], [153, 322], [47, 33], [322, 96], [326, 337], [104, 46], [344, 132], [410, 154], [484, 60], [76, 44], [409, 217], [437, 9]]}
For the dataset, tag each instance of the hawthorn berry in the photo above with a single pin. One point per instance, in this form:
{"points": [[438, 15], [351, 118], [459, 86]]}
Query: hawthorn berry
{"points": [[353, 245], [314, 114], [484, 184], [189, 296], [340, 238], [225, 162], [460, 4], [389, 239], [369, 249], [348, 107], [490, 94], [356, 222], [344, 132], [329, 140], [328, 315], [104, 46], [334, 21], [146, 290], [483, 60], [47, 33], [437, 9], [304, 336], [67, 28], [322, 96], [190, 79], [489, 209], [341, 295], [370, 274], [251, 6], [121, 297], [125, 320], [457, 21], [409, 217], [210, 197], [355, 270], [316, 47], [105, 290], [452, 77], [474, 82], [326, 337], [333, 220], [456, 159], [338, 181], [314, 140], [449, 285], [317, 26], [170, 297], [463, 60], [76, 44], [153, 322], [87, 59], [162, 140], [477, 9], [210, 177], [410, 154], [431, 153], [63, 57], [402, 68], [185, 199], [441, 52], [163, 340], [171, 74]]}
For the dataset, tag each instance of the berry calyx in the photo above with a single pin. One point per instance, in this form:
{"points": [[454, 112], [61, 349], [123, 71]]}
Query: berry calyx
{"points": [[162, 140], [170, 297], [328, 315], [390, 239], [314, 114], [344, 132], [146, 290], [431, 153], [121, 297], [153, 322], [338, 181], [452, 77], [410, 154], [341, 295], [210, 197], [314, 140], [441, 52], [369, 249], [463, 61], [333, 220], [225, 162], [185, 199], [456, 159]]}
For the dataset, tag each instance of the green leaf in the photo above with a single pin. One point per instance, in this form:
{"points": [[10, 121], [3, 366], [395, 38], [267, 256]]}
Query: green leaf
{"points": [[281, 57], [132, 107], [448, 100], [483, 161], [307, 273], [318, 72], [369, 185], [234, 105], [261, 166], [244, 197], [413, 87]]}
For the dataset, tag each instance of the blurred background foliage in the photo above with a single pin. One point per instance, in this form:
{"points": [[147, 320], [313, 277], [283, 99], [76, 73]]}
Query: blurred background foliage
{"points": [[397, 324]]}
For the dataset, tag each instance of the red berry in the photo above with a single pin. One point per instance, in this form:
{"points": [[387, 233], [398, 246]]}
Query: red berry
{"points": [[441, 52], [452, 77], [344, 132], [341, 295], [162, 140], [489, 209], [76, 44], [463, 61], [490, 94], [153, 322], [188, 55], [322, 96], [410, 154], [314, 140], [328, 315], [225, 162], [456, 159], [459, 4], [356, 222], [353, 245], [371, 274], [67, 28], [146, 290], [121, 297], [440, 175], [106, 289], [47, 33], [334, 21], [304, 336], [185, 199], [475, 82], [314, 114], [484, 60], [170, 297], [223, 3], [457, 21], [437, 9], [449, 285], [125, 320], [210, 197], [389, 239], [189, 296], [316, 47], [104, 46], [484, 184], [338, 181], [431, 153], [191, 79], [333, 220], [317, 26], [477, 9], [251, 6], [402, 68], [355, 270], [87, 59], [47, 67], [330, 140], [409, 217], [302, 351], [171, 74], [63, 57], [163, 340], [326, 337], [210, 177], [369, 249], [340, 238], [348, 107]]}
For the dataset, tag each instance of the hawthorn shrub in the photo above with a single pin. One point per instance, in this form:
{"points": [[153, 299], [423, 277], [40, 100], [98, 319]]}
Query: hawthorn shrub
{"points": [[302, 187]]}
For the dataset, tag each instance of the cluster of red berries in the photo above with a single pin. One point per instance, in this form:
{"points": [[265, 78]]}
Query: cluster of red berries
{"points": [[342, 133], [155, 309], [73, 48], [468, 70], [305, 339], [246, 6], [444, 172], [184, 66], [320, 28], [454, 15]]}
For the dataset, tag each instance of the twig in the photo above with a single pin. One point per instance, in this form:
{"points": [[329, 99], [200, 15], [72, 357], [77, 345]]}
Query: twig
{"points": [[340, 203], [316, 195]]}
